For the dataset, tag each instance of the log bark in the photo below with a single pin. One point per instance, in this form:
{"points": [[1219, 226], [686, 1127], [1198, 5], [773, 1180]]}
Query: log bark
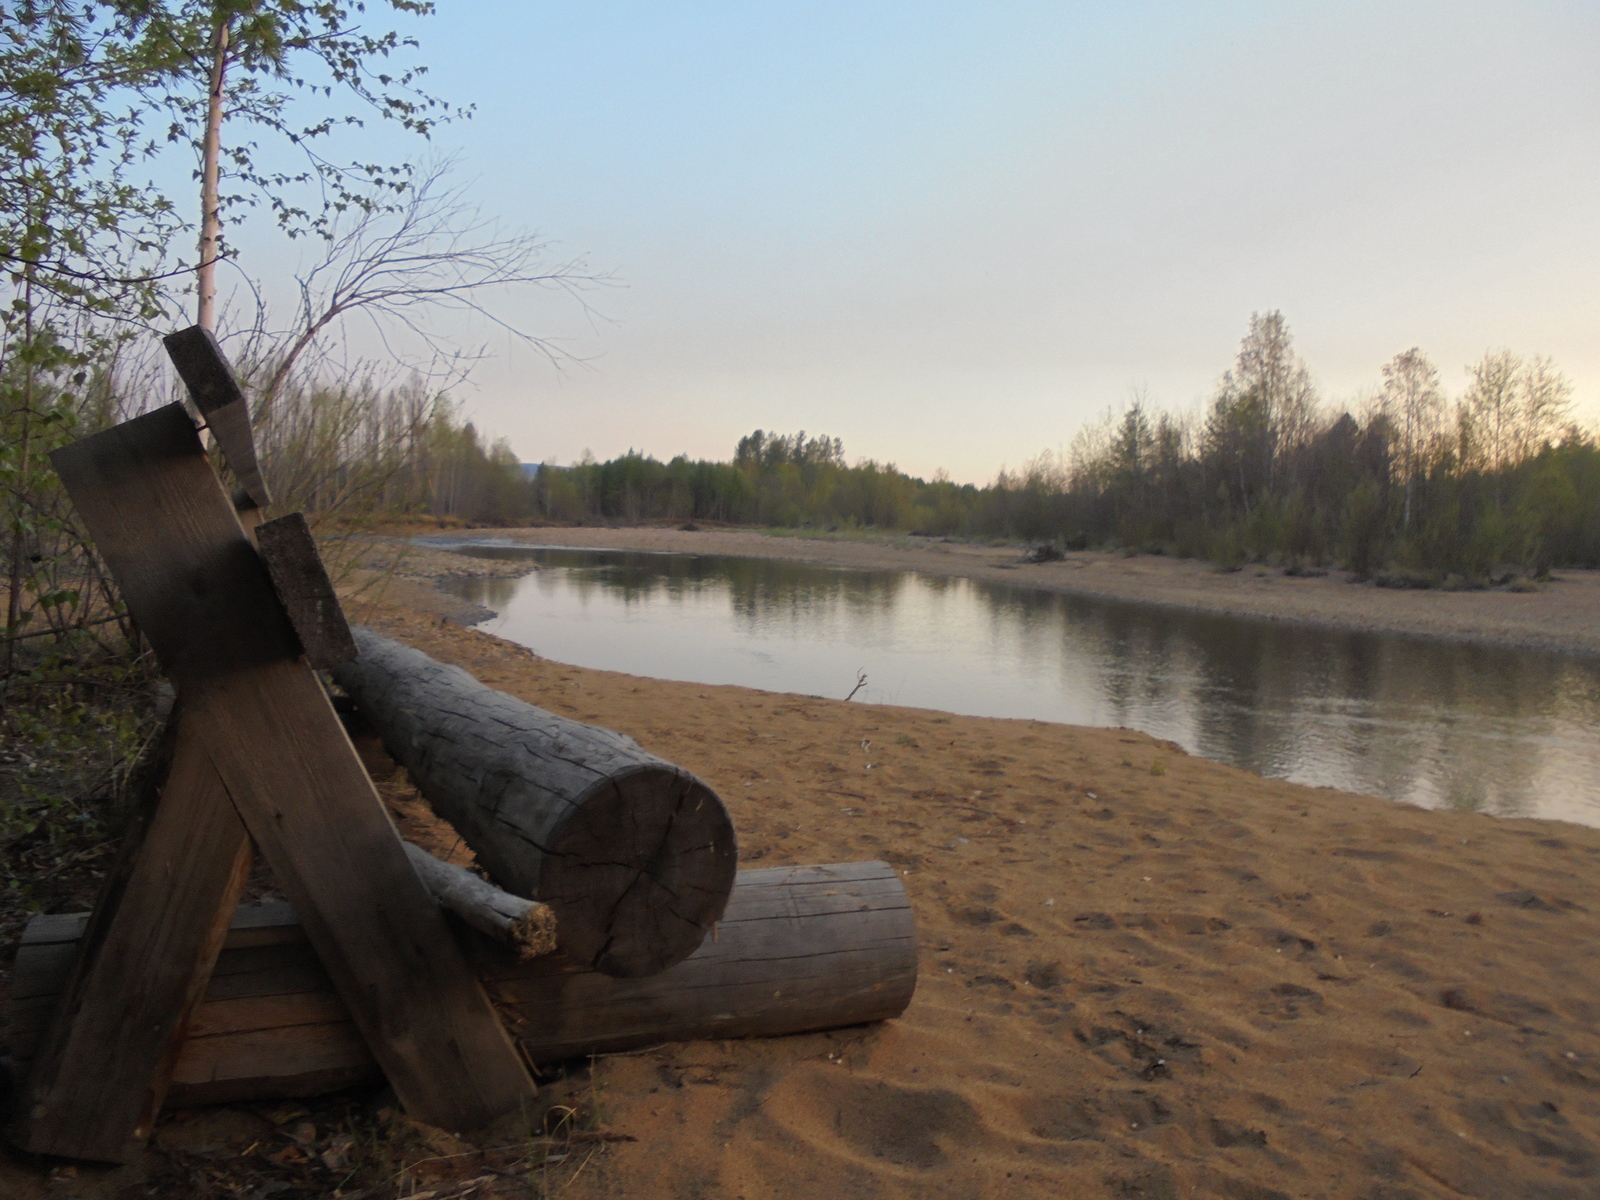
{"points": [[526, 926], [800, 948], [635, 856]]}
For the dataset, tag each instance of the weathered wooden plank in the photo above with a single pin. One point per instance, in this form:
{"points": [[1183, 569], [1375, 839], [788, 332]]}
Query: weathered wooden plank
{"points": [[268, 971], [289, 1061], [267, 1012], [849, 957], [305, 590], [198, 588], [268, 923], [160, 520], [215, 389], [634, 855], [95, 1086]]}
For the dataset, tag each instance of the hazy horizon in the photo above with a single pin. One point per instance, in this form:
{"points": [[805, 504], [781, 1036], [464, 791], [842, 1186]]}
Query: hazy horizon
{"points": [[951, 237]]}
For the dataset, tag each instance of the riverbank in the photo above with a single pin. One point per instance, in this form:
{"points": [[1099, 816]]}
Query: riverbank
{"points": [[1142, 974], [1562, 616]]}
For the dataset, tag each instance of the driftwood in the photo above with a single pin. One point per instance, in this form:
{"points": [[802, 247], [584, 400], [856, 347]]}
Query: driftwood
{"points": [[634, 855], [527, 926], [800, 948]]}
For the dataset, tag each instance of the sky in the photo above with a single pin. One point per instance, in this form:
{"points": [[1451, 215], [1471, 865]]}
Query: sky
{"points": [[952, 234]]}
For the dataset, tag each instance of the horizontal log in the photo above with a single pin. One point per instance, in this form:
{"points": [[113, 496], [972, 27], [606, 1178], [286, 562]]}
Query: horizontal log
{"points": [[634, 855], [800, 948]]}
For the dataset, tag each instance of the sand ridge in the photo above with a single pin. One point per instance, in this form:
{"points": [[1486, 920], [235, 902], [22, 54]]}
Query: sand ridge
{"points": [[1564, 616], [1142, 974]]}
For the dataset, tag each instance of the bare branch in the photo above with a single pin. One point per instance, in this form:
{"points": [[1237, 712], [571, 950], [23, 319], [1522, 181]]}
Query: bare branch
{"points": [[434, 252]]}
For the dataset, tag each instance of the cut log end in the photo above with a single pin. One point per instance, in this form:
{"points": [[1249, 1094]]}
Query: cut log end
{"points": [[635, 856], [641, 871]]}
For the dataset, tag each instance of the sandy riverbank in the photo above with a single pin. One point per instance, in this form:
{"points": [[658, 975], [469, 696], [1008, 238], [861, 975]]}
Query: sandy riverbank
{"points": [[1563, 616], [1143, 974]]}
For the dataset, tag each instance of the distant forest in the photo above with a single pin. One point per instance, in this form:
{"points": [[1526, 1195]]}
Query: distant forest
{"points": [[1410, 487]]}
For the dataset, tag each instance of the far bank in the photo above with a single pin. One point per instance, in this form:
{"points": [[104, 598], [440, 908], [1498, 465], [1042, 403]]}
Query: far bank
{"points": [[1563, 616]]}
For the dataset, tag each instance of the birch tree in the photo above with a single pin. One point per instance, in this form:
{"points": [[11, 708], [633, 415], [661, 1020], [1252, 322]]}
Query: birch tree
{"points": [[261, 63], [1413, 402]]}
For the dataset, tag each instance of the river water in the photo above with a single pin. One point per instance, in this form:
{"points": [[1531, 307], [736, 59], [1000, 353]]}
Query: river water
{"points": [[1508, 732]]}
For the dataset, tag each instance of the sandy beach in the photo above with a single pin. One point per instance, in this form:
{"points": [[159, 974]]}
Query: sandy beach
{"points": [[1142, 974], [1563, 615]]}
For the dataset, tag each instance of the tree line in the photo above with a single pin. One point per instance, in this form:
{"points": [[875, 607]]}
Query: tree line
{"points": [[1409, 486]]}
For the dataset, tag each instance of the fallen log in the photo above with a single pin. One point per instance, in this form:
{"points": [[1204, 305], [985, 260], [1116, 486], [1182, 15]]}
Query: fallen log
{"points": [[527, 926], [635, 856], [800, 948]]}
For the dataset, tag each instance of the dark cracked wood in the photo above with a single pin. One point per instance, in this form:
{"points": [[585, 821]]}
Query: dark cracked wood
{"points": [[635, 856], [801, 948]]}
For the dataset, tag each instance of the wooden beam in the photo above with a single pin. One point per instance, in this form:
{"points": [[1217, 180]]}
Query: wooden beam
{"points": [[191, 578]]}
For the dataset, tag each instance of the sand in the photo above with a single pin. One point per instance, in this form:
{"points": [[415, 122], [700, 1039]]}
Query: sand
{"points": [[1563, 615], [1142, 974]]}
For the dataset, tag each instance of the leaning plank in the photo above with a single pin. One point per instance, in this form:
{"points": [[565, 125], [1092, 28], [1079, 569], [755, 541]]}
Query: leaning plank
{"points": [[301, 581], [801, 948], [199, 590], [527, 926], [98, 1082], [209, 377], [634, 855]]}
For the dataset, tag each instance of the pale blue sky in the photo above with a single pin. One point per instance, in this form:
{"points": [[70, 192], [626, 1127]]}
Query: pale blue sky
{"points": [[950, 234]]}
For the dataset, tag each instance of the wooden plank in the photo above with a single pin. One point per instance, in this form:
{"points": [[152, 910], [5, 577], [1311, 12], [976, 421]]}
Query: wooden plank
{"points": [[268, 971], [196, 585], [291, 1061], [95, 1086], [305, 590], [160, 520], [215, 389], [312, 810], [266, 1012], [269, 923]]}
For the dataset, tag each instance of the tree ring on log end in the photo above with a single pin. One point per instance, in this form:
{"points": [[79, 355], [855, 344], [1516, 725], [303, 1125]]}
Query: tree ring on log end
{"points": [[640, 870]]}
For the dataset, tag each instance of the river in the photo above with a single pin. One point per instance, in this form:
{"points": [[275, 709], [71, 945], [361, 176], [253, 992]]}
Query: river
{"points": [[1503, 731]]}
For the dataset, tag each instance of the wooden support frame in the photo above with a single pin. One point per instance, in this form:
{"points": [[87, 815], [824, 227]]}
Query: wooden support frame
{"points": [[262, 741]]}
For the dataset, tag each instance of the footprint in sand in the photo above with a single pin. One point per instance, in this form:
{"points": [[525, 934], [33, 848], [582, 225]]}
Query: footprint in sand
{"points": [[870, 1123]]}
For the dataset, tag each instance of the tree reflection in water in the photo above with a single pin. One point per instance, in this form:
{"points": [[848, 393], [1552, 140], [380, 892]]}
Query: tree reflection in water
{"points": [[1497, 730]]}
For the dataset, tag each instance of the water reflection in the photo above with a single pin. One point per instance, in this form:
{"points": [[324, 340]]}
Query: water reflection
{"points": [[1486, 729]]}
